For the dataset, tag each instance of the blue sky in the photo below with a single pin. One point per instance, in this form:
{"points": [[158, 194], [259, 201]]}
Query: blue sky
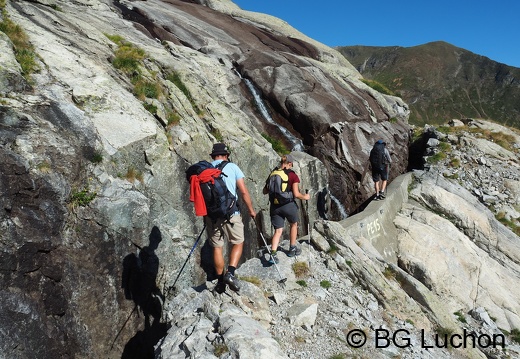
{"points": [[489, 28]]}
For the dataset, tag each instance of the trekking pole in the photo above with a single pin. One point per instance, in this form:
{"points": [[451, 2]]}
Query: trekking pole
{"points": [[282, 280], [309, 229], [186, 261], [124, 325]]}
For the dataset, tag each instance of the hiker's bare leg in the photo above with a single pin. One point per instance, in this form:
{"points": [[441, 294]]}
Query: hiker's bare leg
{"points": [[218, 260], [377, 187], [276, 238], [383, 186], [236, 252], [293, 233]]}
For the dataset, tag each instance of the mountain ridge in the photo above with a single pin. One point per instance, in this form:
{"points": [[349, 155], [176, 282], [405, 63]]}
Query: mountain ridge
{"points": [[441, 81]]}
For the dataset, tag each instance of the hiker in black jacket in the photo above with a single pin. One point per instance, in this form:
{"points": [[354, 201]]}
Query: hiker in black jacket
{"points": [[380, 161]]}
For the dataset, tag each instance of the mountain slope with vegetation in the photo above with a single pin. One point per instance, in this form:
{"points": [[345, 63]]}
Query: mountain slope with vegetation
{"points": [[440, 81]]}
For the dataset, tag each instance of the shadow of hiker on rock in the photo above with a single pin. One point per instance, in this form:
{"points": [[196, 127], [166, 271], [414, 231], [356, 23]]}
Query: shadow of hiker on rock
{"points": [[139, 284]]}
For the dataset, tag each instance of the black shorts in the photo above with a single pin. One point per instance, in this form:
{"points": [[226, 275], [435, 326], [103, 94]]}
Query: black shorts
{"points": [[279, 214], [380, 173]]}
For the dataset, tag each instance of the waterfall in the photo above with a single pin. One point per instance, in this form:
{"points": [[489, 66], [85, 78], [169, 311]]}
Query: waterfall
{"points": [[341, 209], [296, 142]]}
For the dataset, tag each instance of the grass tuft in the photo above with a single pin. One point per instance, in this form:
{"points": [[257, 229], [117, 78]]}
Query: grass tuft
{"points": [[278, 145], [82, 198], [23, 49], [300, 269]]}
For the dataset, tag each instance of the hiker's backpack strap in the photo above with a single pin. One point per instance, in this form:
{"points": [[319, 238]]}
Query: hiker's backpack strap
{"points": [[221, 166]]}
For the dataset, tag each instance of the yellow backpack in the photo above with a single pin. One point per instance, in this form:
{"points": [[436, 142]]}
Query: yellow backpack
{"points": [[278, 185]]}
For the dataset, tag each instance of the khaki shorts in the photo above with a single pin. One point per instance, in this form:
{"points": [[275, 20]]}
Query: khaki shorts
{"points": [[233, 230]]}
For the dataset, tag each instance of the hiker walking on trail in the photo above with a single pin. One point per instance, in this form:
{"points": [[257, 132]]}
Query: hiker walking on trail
{"points": [[380, 161], [233, 227], [282, 187]]}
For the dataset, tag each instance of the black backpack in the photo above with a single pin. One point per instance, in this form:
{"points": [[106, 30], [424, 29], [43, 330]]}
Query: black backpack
{"points": [[220, 202], [278, 185], [377, 156]]}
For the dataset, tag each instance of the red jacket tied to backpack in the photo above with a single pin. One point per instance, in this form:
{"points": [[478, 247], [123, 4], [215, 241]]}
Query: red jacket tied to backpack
{"points": [[196, 196], [209, 192]]}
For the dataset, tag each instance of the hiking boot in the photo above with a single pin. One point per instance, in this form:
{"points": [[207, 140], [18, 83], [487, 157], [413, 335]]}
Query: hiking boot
{"points": [[273, 259], [220, 287], [294, 251], [381, 195], [377, 198], [232, 282]]}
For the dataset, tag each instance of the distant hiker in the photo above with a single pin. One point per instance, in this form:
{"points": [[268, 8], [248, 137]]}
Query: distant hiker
{"points": [[323, 203], [282, 187], [380, 161], [232, 227]]}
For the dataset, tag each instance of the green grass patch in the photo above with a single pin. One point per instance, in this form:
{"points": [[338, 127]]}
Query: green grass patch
{"points": [[23, 50], [217, 134], [460, 316], [176, 79], [172, 118], [277, 145], [301, 283], [515, 335], [127, 57], [55, 7], [82, 198], [501, 217], [444, 147], [150, 108], [378, 87], [147, 89], [436, 158], [389, 273], [325, 284], [333, 249], [455, 162], [97, 157], [447, 130], [502, 139]]}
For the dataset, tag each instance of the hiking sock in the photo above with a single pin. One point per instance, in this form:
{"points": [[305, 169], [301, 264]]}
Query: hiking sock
{"points": [[273, 252], [220, 278], [231, 270]]}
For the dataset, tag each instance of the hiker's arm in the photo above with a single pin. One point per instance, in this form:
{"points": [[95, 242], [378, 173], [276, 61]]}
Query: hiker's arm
{"points": [[388, 158], [298, 194], [265, 190], [244, 194]]}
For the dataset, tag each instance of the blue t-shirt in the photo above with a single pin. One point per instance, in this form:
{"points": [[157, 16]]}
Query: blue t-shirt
{"points": [[232, 174]]}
